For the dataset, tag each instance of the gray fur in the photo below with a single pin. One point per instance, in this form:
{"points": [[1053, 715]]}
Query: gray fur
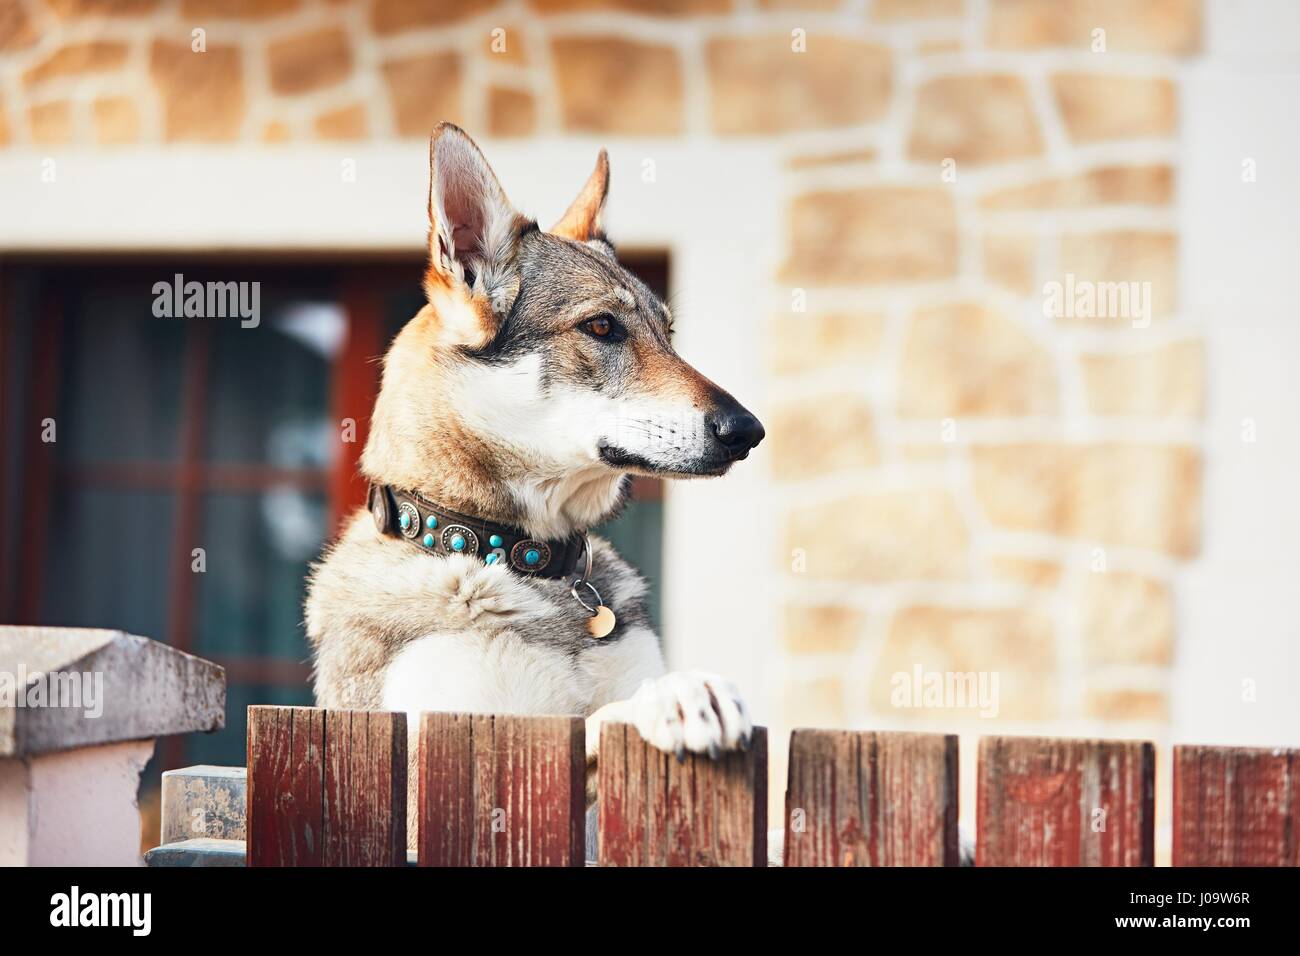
{"points": [[356, 628]]}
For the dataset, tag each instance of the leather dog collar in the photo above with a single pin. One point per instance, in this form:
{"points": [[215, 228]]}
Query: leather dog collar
{"points": [[438, 530]]}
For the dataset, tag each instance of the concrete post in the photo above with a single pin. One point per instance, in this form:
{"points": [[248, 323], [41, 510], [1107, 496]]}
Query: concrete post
{"points": [[79, 712]]}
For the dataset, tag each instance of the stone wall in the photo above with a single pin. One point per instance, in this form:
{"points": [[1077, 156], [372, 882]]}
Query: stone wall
{"points": [[985, 445]]}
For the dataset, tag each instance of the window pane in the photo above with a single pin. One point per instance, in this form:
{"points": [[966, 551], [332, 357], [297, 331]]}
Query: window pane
{"points": [[257, 549], [268, 395], [122, 374], [638, 535], [401, 304], [109, 561]]}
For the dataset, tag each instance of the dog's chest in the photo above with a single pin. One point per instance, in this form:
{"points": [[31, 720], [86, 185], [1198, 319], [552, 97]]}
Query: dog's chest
{"points": [[519, 645]]}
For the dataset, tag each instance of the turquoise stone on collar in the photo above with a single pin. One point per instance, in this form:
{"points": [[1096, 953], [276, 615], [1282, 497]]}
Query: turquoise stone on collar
{"points": [[441, 531]]}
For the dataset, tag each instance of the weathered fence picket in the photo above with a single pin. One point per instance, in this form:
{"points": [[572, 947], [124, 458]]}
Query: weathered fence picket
{"points": [[1236, 806], [658, 811], [863, 798], [501, 791], [326, 788], [329, 788], [1045, 801]]}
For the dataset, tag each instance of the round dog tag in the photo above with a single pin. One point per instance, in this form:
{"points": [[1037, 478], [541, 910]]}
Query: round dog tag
{"points": [[602, 622]]}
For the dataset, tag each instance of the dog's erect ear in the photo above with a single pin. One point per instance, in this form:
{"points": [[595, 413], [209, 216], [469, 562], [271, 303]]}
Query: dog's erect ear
{"points": [[582, 220], [472, 225]]}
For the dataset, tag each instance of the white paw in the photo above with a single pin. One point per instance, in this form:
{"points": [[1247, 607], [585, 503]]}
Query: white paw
{"points": [[691, 710]]}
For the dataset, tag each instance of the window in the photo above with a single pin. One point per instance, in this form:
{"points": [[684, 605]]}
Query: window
{"points": [[197, 466]]}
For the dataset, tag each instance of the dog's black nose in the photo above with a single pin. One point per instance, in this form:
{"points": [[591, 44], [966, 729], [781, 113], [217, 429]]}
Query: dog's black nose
{"points": [[738, 430]]}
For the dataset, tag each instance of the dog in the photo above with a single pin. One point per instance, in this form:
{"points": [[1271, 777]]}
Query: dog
{"points": [[513, 410]]}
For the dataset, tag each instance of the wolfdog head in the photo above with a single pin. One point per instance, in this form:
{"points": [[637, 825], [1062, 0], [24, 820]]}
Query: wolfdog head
{"points": [[541, 373]]}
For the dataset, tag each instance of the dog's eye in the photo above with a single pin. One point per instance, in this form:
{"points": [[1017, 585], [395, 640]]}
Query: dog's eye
{"points": [[604, 327]]}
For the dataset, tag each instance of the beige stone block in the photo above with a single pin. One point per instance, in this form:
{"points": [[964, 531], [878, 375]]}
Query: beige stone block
{"points": [[821, 435], [974, 120], [1165, 381], [309, 61], [968, 361], [238, 9], [1147, 706], [822, 629], [915, 9], [1127, 619], [813, 703], [117, 121], [393, 16], [345, 123], [1150, 185], [1011, 262], [50, 124], [1027, 571], [760, 86], [1097, 107], [16, 29], [803, 342], [809, 5], [1141, 496], [77, 60], [656, 8], [1150, 26], [424, 90], [1098, 272], [879, 537], [73, 9], [1015, 644], [202, 94], [879, 234], [608, 84], [511, 112], [276, 131]]}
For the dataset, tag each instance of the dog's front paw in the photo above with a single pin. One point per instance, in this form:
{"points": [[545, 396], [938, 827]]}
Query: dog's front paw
{"points": [[691, 710]]}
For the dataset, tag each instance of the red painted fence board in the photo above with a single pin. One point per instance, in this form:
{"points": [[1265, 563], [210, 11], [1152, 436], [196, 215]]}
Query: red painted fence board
{"points": [[657, 811], [329, 788], [863, 798], [501, 791], [326, 788], [1054, 802], [1236, 806]]}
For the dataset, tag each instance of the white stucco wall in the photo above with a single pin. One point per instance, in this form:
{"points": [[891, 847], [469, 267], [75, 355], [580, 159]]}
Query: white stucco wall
{"points": [[1240, 602]]}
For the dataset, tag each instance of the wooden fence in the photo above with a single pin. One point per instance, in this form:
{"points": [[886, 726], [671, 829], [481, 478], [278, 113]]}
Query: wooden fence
{"points": [[330, 788]]}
